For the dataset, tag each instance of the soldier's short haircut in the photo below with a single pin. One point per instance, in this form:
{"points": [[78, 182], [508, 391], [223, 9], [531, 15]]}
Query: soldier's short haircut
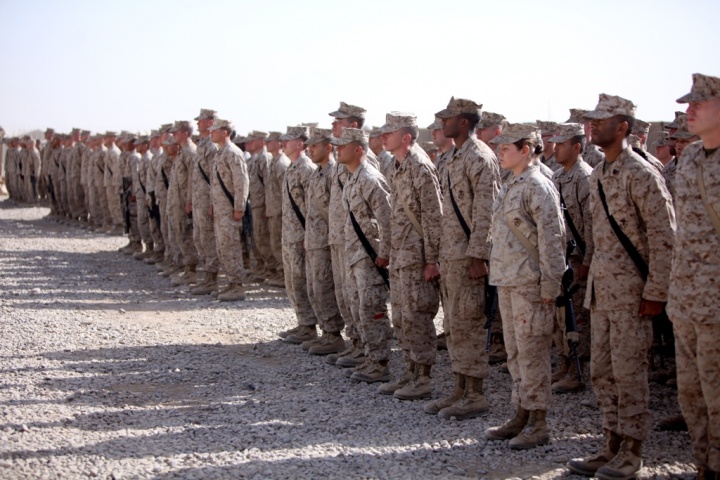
{"points": [[187, 128], [414, 132], [472, 118], [362, 145], [233, 134], [359, 120], [578, 139], [630, 121], [302, 137]]}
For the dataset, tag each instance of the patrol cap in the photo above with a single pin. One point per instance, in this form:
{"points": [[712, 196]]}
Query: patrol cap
{"points": [[547, 128], [220, 123], [309, 124], [239, 139], [347, 110], [674, 123], [640, 127], [514, 132], [374, 132], [206, 114], [611, 105], [110, 133], [47, 130], [255, 134], [566, 131], [350, 135], [181, 125], [682, 132], [490, 119], [458, 106], [165, 127], [143, 139], [295, 132], [577, 115], [273, 136], [154, 133], [74, 131], [662, 139], [704, 88], [84, 132], [170, 141], [437, 124], [319, 135], [429, 147], [396, 120]]}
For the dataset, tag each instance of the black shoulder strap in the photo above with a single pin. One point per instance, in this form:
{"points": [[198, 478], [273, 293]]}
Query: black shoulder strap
{"points": [[204, 175], [295, 207], [368, 248], [227, 193], [571, 225], [624, 240], [458, 214], [164, 177]]}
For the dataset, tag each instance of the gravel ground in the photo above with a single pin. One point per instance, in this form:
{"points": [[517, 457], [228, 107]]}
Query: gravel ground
{"points": [[106, 371]]}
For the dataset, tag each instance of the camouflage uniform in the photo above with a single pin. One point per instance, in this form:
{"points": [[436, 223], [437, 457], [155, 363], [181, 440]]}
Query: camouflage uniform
{"points": [[274, 189], [592, 155], [473, 175], [694, 296], [112, 190], [386, 164], [139, 175], [200, 198], [336, 238], [180, 223], [258, 168], [132, 160], [229, 165], [293, 237], [637, 198], [153, 173], [320, 282], [415, 301], [162, 184]]}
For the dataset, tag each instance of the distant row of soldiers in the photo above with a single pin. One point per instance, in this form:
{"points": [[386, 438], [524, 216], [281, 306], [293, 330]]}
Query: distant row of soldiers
{"points": [[527, 234]]}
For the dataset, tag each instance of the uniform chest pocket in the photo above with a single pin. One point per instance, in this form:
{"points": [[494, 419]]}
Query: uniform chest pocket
{"points": [[517, 218]]}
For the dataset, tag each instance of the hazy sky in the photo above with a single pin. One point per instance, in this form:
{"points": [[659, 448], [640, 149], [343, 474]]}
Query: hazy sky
{"points": [[267, 64]]}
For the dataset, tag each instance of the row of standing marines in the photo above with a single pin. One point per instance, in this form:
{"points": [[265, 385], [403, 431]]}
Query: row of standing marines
{"points": [[529, 235]]}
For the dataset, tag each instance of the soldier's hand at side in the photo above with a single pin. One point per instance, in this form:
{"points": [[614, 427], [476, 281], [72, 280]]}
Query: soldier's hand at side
{"points": [[210, 211], [237, 215], [478, 268], [581, 273], [432, 272], [188, 208], [382, 262], [650, 308]]}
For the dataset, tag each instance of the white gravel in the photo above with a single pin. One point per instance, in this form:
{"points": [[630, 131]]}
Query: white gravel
{"points": [[106, 371]]}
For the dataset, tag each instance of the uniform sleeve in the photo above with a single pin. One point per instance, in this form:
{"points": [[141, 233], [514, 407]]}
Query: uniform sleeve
{"points": [[583, 194], [545, 211], [241, 183], [191, 158], [430, 212], [378, 197], [483, 176], [657, 213]]}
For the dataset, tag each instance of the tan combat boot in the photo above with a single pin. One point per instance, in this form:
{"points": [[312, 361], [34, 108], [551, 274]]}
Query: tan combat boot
{"points": [[145, 254], [510, 429], [312, 342], [375, 371], [277, 281], [354, 358], [497, 354], [187, 277], [333, 357], [419, 387], [626, 464], [472, 404], [155, 258], [534, 434], [570, 382], [561, 372], [304, 333], [235, 293], [133, 248], [207, 286], [288, 332], [390, 387], [330, 342], [590, 465], [436, 405]]}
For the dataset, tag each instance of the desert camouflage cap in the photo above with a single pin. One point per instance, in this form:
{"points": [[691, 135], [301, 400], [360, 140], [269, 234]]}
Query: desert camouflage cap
{"points": [[374, 132], [704, 88], [239, 139], [47, 130], [674, 124], [547, 128], [610, 106], [206, 114], [662, 139], [256, 134], [154, 133], [308, 124], [397, 120], [350, 135], [640, 127], [577, 115], [272, 136], [682, 132], [84, 132], [295, 132], [429, 147], [347, 110], [490, 119], [566, 131], [458, 106], [319, 135], [74, 131], [170, 141], [437, 124], [514, 132], [110, 133], [143, 139], [165, 127], [181, 125], [220, 123]]}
